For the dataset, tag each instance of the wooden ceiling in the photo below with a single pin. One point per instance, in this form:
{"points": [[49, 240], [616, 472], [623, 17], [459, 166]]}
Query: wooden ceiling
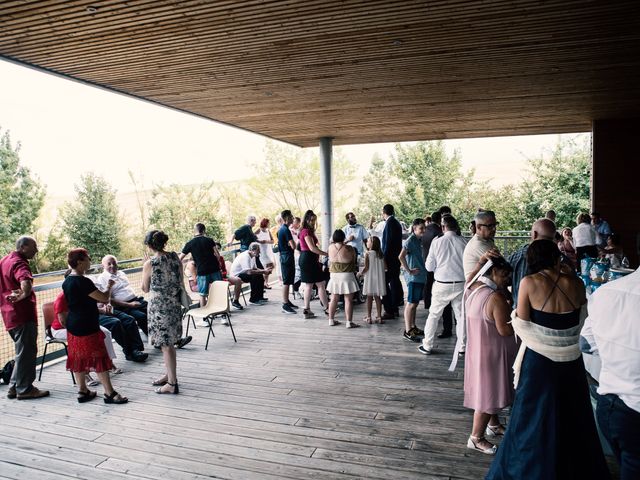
{"points": [[359, 71]]}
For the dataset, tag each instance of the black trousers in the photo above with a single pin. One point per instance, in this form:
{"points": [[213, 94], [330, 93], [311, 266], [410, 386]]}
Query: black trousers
{"points": [[447, 314], [139, 313], [124, 331], [257, 285], [621, 427], [395, 295]]}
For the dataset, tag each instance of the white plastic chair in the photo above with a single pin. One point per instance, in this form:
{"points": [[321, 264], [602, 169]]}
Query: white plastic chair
{"points": [[217, 306]]}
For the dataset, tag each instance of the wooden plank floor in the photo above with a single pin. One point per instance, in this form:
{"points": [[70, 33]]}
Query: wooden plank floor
{"points": [[293, 398]]}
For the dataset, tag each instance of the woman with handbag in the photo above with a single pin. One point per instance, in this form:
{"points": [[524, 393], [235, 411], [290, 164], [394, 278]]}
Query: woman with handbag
{"points": [[162, 279]]}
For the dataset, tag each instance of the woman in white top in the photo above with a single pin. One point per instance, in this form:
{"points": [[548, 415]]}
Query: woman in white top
{"points": [[266, 248], [585, 238]]}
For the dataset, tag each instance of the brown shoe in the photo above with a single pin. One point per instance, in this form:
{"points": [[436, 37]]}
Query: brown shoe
{"points": [[11, 394], [33, 393]]}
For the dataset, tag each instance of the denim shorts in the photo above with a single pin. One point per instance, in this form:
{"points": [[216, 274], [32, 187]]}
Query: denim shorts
{"points": [[415, 292], [205, 280]]}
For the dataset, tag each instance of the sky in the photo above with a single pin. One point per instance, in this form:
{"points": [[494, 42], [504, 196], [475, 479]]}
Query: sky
{"points": [[66, 128]]}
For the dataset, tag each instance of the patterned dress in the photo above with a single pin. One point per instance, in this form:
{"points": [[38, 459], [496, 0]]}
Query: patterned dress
{"points": [[165, 310]]}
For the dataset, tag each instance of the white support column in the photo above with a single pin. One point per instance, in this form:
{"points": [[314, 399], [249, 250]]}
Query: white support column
{"points": [[326, 189]]}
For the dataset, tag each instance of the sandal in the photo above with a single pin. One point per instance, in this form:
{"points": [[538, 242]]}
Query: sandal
{"points": [[92, 382], [176, 389], [115, 371], [87, 396], [379, 320], [495, 430], [113, 398], [352, 325], [160, 381], [333, 323], [367, 320], [472, 443]]}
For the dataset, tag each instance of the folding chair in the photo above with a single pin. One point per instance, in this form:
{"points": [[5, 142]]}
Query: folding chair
{"points": [[49, 316], [195, 300], [217, 306]]}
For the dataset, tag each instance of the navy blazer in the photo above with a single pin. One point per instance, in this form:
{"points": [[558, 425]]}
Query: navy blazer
{"points": [[392, 238]]}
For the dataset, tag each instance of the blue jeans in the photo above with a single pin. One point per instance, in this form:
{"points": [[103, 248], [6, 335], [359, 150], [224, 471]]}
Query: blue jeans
{"points": [[621, 427]]}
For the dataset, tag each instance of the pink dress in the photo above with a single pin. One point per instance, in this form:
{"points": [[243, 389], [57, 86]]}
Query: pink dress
{"points": [[489, 357]]}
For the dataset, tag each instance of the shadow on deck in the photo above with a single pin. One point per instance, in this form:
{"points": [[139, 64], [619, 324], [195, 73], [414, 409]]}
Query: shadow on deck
{"points": [[293, 398]]}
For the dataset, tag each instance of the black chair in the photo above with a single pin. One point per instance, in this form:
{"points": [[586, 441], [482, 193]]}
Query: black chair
{"points": [[49, 315]]}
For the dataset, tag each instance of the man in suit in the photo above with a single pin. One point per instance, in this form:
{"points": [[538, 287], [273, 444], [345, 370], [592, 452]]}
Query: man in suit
{"points": [[391, 247]]}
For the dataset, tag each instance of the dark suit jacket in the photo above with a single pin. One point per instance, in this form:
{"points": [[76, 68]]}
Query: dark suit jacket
{"points": [[392, 238], [432, 232]]}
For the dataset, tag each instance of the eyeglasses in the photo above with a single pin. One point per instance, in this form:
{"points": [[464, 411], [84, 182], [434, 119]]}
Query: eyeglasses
{"points": [[488, 225]]}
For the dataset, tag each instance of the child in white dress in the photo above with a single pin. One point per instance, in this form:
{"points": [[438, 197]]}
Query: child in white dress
{"points": [[374, 283]]}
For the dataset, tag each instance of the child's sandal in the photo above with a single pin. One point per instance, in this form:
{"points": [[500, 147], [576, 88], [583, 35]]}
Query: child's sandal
{"points": [[367, 320], [379, 320]]}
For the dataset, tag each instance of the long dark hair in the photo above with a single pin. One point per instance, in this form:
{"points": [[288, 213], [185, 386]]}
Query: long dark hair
{"points": [[306, 221], [376, 246], [541, 255]]}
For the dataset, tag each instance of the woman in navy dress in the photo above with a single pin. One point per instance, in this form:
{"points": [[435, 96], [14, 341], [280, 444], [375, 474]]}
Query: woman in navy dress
{"points": [[552, 433]]}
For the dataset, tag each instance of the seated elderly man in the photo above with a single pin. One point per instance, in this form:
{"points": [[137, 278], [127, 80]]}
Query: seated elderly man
{"points": [[245, 267], [123, 296], [124, 303]]}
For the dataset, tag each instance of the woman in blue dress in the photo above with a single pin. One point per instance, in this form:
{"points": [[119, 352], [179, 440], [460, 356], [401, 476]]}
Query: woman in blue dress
{"points": [[552, 433]]}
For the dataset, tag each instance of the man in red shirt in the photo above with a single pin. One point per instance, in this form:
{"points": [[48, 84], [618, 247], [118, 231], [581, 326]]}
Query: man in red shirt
{"points": [[18, 307]]}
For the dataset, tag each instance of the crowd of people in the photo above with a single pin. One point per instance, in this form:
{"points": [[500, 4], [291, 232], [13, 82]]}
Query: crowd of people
{"points": [[517, 318]]}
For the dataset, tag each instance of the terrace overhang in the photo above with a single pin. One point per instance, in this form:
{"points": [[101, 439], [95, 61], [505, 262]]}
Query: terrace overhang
{"points": [[357, 71]]}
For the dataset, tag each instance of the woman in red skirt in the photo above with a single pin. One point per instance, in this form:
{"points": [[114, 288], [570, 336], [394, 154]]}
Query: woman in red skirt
{"points": [[87, 352]]}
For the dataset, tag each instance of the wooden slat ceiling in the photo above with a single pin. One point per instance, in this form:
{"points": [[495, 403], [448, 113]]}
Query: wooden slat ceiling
{"points": [[358, 71]]}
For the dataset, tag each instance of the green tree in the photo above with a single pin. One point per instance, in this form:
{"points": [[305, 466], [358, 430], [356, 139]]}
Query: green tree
{"points": [[289, 178], [92, 220], [21, 195], [560, 180], [175, 209], [428, 177], [53, 251], [377, 189]]}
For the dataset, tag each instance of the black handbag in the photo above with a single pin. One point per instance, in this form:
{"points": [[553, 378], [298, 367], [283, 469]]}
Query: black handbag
{"points": [[5, 373]]}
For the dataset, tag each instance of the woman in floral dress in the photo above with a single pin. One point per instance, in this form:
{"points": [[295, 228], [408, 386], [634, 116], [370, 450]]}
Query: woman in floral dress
{"points": [[162, 279]]}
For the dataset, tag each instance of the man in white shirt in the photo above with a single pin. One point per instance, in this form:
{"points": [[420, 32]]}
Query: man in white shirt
{"points": [[355, 233], [445, 260], [481, 244], [244, 266], [613, 314], [123, 296]]}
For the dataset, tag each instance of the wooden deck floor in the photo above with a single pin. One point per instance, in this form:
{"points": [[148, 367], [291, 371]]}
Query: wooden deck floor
{"points": [[293, 398]]}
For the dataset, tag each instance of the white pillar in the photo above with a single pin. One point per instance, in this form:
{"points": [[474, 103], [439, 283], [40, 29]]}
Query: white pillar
{"points": [[326, 190]]}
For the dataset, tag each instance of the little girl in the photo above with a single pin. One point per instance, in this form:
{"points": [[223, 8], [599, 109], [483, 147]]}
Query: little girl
{"points": [[374, 284]]}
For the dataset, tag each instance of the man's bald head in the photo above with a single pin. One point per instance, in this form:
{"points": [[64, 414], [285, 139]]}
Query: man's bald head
{"points": [[110, 264], [543, 229], [27, 247]]}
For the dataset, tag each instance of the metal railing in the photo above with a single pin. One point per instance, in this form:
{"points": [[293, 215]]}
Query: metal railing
{"points": [[47, 291]]}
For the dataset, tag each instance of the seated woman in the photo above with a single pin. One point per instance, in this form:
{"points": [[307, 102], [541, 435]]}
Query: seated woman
{"points": [[192, 276], [235, 281], [552, 432], [613, 251], [87, 351], [342, 281], [567, 247], [491, 350]]}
